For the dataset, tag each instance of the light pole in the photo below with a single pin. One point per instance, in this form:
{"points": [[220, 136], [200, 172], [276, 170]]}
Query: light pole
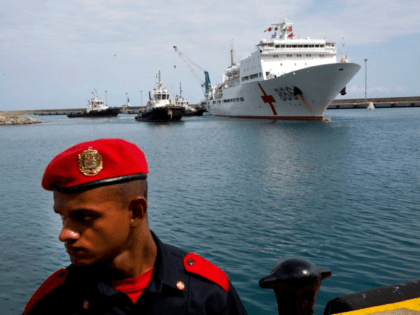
{"points": [[106, 99], [141, 95], [365, 80]]}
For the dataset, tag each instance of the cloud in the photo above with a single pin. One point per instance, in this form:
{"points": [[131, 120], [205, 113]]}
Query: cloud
{"points": [[375, 90], [91, 26], [55, 44], [370, 22]]}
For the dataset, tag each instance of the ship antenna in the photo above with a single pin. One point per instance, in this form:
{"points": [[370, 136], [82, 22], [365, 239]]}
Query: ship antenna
{"points": [[343, 57], [283, 29], [160, 81], [279, 29], [231, 53]]}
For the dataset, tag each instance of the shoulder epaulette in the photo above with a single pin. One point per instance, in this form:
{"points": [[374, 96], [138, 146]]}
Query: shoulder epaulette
{"points": [[198, 265], [52, 282]]}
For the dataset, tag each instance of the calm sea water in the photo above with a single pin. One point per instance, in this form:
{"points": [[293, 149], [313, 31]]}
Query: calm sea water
{"points": [[245, 194]]}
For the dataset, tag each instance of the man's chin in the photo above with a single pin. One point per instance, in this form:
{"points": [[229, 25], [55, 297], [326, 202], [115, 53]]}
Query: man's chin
{"points": [[82, 261]]}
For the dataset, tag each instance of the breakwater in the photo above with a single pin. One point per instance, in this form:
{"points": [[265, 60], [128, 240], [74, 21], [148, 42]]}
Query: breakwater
{"points": [[66, 111], [15, 118], [389, 102]]}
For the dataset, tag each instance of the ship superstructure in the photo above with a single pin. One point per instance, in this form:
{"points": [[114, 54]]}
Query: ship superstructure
{"points": [[286, 77], [95, 103], [188, 110], [96, 108], [160, 106]]}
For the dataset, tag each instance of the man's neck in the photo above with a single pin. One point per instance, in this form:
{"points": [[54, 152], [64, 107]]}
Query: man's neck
{"points": [[137, 259]]}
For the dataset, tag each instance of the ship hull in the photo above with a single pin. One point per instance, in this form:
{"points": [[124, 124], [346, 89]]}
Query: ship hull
{"points": [[110, 112], [300, 95], [161, 114]]}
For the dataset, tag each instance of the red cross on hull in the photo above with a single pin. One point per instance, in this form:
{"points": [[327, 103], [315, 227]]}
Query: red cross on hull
{"points": [[268, 99]]}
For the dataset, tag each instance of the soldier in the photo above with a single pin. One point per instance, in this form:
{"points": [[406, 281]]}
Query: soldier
{"points": [[118, 265]]}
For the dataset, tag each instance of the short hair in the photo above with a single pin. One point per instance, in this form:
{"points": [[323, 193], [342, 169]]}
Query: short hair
{"points": [[129, 190]]}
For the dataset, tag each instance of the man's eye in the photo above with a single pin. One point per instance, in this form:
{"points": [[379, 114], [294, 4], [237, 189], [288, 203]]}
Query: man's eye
{"points": [[84, 218]]}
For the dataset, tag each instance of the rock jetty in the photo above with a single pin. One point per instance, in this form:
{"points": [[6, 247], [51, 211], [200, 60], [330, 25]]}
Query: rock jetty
{"points": [[16, 118]]}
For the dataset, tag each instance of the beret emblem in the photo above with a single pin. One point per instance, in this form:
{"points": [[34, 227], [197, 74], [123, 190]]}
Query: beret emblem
{"points": [[90, 162]]}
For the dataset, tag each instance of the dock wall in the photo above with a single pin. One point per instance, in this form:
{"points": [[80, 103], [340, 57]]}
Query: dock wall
{"points": [[394, 102], [389, 102]]}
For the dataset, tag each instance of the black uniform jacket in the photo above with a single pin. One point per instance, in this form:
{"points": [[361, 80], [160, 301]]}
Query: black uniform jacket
{"points": [[172, 290]]}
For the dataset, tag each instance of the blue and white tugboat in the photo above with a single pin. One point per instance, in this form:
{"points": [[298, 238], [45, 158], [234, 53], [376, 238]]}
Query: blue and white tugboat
{"points": [[161, 107], [96, 108]]}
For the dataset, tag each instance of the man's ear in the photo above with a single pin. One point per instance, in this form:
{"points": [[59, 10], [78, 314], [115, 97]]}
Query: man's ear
{"points": [[138, 208]]}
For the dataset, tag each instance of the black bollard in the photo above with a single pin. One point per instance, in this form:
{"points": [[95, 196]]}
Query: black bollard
{"points": [[296, 283]]}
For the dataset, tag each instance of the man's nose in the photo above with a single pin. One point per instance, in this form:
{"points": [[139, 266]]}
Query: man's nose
{"points": [[68, 233]]}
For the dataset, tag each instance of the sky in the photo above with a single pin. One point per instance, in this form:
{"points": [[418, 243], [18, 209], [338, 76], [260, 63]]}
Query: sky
{"points": [[53, 53]]}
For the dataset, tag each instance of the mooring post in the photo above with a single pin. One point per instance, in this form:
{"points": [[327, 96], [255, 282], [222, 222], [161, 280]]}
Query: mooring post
{"points": [[296, 283]]}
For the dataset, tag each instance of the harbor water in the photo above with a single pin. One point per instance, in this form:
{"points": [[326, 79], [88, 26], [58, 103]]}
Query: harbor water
{"points": [[245, 194]]}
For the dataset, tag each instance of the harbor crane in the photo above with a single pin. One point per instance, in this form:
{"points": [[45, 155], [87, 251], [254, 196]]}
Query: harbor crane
{"points": [[205, 85]]}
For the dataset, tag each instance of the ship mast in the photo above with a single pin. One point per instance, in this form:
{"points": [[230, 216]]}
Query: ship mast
{"points": [[344, 58], [159, 81], [284, 29], [231, 53]]}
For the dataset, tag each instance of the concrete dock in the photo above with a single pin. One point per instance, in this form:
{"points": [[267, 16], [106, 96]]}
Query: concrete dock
{"points": [[388, 102]]}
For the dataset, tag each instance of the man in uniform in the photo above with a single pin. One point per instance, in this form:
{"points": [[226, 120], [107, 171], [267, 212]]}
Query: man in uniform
{"points": [[118, 265]]}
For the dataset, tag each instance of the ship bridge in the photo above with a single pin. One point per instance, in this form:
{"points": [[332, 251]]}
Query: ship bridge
{"points": [[285, 53]]}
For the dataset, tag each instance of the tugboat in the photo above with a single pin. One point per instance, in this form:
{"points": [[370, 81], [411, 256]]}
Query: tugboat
{"points": [[199, 110], [96, 108], [183, 102], [161, 107]]}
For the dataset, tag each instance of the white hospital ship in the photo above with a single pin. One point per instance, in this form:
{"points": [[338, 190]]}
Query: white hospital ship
{"points": [[285, 78]]}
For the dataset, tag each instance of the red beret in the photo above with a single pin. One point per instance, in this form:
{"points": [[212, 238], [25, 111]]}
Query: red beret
{"points": [[95, 163]]}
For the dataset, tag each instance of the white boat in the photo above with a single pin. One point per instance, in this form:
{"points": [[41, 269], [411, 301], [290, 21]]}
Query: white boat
{"points": [[371, 106], [96, 108], [161, 107], [285, 78]]}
